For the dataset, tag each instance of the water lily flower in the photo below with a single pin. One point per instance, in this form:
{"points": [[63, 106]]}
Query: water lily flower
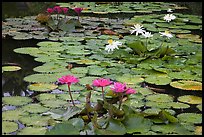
{"points": [[65, 10], [58, 9], [78, 10], [50, 10], [167, 34], [138, 29], [112, 45], [169, 10], [130, 91], [68, 79], [119, 87], [101, 83], [169, 17], [147, 34]]}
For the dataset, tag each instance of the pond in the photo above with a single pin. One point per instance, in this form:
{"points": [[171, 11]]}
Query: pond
{"points": [[98, 68]]}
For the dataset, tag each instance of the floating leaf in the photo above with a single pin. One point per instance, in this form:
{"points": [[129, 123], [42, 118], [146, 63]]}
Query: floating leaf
{"points": [[54, 103], [49, 43], [42, 87], [32, 131], [190, 99], [187, 85], [12, 114], [16, 100], [143, 125], [66, 96], [8, 127], [172, 128], [158, 80], [190, 118], [41, 78], [34, 108], [198, 130], [130, 79], [87, 80], [28, 50], [79, 70], [50, 68], [35, 120], [178, 105], [199, 107], [46, 96], [160, 98], [10, 68]]}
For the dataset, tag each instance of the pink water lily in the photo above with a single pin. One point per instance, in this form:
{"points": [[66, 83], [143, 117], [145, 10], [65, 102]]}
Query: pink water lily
{"points": [[50, 10], [101, 83], [68, 79], [65, 10], [119, 87], [130, 91], [78, 10], [58, 9]]}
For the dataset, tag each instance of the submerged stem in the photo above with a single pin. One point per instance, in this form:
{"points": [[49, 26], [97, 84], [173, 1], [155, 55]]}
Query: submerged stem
{"points": [[102, 93], [70, 95], [120, 101]]}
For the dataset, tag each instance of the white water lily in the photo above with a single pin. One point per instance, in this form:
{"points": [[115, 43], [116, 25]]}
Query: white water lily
{"points": [[169, 10], [112, 45], [167, 34], [147, 34], [169, 17], [138, 29]]}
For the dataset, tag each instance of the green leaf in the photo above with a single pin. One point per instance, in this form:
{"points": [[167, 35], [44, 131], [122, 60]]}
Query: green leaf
{"points": [[10, 68], [190, 118], [63, 129], [138, 47], [136, 123], [32, 131], [16, 100], [42, 87], [8, 127]]}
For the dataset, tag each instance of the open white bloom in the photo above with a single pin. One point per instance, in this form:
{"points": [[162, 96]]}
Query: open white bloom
{"points": [[169, 17], [112, 45], [147, 34], [138, 29], [169, 10], [167, 34]]}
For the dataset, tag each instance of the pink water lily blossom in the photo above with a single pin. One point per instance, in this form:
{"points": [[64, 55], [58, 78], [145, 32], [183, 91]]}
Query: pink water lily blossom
{"points": [[119, 87], [78, 10], [101, 82], [50, 10], [58, 9], [68, 79], [130, 91], [65, 10]]}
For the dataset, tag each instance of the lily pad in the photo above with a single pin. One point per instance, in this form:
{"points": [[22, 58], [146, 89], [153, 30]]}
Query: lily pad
{"points": [[158, 80], [190, 99], [10, 68], [178, 105], [35, 120], [160, 98], [187, 85], [34, 108], [49, 43], [130, 79], [42, 87], [16, 100], [32, 131], [190, 118], [54, 103], [8, 127], [12, 114]]}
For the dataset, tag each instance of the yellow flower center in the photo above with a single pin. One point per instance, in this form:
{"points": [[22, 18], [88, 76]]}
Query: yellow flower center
{"points": [[167, 32], [110, 41]]}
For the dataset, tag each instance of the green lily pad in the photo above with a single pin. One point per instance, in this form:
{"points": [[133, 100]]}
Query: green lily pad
{"points": [[172, 128], [158, 80], [42, 87], [190, 99], [16, 100], [74, 87], [12, 114], [87, 80], [143, 125], [32, 131], [50, 68], [28, 50], [49, 43], [35, 120], [152, 111], [190, 118], [130, 79], [34, 108], [97, 71], [46, 96], [160, 98], [10, 68], [41, 78], [178, 105], [199, 107], [8, 127], [79, 70], [54, 103], [67, 96], [187, 85]]}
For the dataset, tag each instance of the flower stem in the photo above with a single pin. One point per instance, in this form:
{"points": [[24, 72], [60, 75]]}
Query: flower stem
{"points": [[102, 93], [120, 101], [71, 95]]}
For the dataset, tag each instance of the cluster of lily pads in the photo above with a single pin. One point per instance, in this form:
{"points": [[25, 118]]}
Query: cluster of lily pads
{"points": [[84, 55]]}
